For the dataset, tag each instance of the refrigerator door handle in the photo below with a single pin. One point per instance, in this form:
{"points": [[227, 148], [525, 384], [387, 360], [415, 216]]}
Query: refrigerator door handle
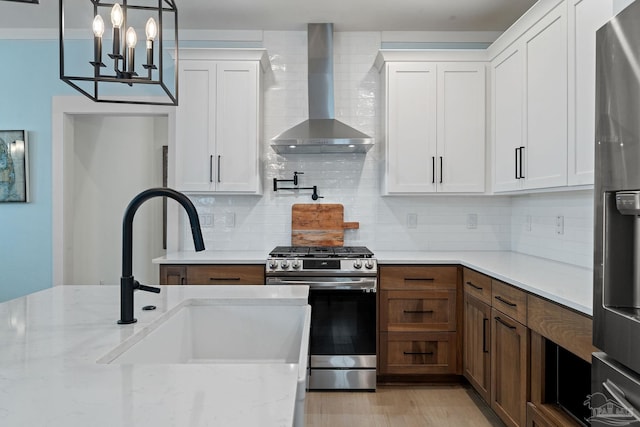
{"points": [[618, 396]]}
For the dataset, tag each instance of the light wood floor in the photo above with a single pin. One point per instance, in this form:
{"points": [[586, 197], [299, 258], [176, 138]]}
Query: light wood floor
{"points": [[400, 406]]}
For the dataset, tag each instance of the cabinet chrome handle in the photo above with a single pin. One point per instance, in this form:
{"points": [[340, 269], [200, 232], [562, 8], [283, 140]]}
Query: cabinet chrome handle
{"points": [[219, 168], [484, 335], [474, 286], [433, 170], [509, 303], [211, 168], [521, 156], [440, 169], [417, 311], [504, 323], [424, 353]]}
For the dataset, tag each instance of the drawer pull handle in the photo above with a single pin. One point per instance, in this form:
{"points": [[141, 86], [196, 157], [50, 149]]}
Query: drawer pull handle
{"points": [[224, 278], [474, 286], [425, 279], [421, 353], [484, 335], [504, 323], [509, 303], [182, 279], [417, 311]]}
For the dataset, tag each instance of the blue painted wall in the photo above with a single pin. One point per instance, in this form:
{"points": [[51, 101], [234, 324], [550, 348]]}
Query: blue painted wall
{"points": [[28, 80]]}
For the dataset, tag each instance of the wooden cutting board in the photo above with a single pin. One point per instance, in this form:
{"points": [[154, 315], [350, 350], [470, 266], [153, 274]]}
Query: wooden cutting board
{"points": [[319, 224]]}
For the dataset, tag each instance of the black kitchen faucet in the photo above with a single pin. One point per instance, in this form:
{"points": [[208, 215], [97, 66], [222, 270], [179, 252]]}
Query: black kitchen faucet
{"points": [[127, 283]]}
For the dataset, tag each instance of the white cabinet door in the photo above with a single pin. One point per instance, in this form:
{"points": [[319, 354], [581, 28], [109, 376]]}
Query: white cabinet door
{"points": [[545, 154], [195, 126], [585, 17], [508, 118], [218, 127], [411, 127], [461, 127], [237, 101]]}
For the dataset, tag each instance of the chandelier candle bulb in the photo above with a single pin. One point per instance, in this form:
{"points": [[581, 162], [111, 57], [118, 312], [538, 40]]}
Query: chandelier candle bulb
{"points": [[132, 39], [98, 31], [152, 31], [116, 21]]}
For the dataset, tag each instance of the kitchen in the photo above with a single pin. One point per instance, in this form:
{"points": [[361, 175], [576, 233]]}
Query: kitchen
{"points": [[522, 223]]}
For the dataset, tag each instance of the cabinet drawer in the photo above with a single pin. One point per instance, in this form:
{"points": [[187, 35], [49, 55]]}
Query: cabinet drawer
{"points": [[418, 310], [225, 275], [418, 277], [477, 284], [418, 353], [509, 300]]}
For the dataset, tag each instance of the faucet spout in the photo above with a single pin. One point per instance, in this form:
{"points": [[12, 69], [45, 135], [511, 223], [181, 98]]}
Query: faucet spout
{"points": [[127, 283]]}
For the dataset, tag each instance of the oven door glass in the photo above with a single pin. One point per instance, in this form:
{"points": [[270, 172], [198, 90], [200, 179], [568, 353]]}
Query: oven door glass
{"points": [[343, 322]]}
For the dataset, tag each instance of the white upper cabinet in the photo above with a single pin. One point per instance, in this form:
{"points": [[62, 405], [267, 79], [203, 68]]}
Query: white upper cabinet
{"points": [[543, 96], [433, 125], [545, 152], [411, 128], [218, 121], [461, 127], [529, 104], [585, 18], [508, 118]]}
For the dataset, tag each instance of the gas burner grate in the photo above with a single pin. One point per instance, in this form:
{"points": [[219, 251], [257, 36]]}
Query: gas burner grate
{"points": [[321, 252]]}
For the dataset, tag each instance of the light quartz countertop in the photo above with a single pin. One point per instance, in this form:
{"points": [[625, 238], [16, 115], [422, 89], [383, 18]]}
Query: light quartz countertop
{"points": [[565, 284], [52, 339]]}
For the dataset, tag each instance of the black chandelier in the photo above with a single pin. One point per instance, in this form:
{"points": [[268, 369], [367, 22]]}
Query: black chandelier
{"points": [[115, 76]]}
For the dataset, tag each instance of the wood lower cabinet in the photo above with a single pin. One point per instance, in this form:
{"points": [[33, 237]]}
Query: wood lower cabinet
{"points": [[173, 274], [420, 311], [509, 368], [496, 345], [477, 345], [207, 274], [418, 352]]}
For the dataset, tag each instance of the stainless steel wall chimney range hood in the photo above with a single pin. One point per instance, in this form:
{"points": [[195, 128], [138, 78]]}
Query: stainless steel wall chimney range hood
{"points": [[322, 133]]}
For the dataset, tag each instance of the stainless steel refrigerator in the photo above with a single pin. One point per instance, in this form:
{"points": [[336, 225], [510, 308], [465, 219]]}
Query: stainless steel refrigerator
{"points": [[615, 373]]}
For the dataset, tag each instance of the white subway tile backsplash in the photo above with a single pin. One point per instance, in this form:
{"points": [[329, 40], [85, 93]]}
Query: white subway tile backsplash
{"points": [[260, 223]]}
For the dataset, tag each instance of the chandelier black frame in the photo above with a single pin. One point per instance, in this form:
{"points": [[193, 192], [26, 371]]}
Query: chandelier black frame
{"points": [[122, 55]]}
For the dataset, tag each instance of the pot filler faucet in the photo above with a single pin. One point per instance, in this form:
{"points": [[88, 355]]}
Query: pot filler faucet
{"points": [[127, 283]]}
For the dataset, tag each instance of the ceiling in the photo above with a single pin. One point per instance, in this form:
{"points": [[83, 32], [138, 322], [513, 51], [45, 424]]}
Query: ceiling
{"points": [[347, 15]]}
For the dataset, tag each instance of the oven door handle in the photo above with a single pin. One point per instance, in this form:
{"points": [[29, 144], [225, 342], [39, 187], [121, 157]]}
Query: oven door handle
{"points": [[365, 284]]}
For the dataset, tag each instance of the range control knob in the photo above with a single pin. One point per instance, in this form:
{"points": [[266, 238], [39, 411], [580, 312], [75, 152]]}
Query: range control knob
{"points": [[357, 264], [284, 264], [273, 264], [295, 264], [368, 264]]}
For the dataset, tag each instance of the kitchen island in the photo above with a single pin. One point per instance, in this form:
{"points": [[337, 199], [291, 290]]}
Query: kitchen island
{"points": [[52, 341]]}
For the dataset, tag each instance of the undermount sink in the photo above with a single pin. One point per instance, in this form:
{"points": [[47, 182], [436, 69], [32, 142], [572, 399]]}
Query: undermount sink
{"points": [[215, 331]]}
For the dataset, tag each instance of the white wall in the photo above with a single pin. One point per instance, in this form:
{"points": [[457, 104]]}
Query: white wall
{"points": [[535, 229], [260, 223], [113, 159]]}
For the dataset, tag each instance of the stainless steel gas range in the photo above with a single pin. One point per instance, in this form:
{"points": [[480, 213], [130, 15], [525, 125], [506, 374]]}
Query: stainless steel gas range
{"points": [[342, 294]]}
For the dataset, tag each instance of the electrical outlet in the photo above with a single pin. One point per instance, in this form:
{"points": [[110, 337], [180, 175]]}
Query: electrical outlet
{"points": [[412, 220], [472, 221], [206, 220], [560, 224], [230, 219], [528, 223]]}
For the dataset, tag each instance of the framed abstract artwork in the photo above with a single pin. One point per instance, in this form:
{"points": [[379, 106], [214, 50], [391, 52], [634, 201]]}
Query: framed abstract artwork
{"points": [[14, 166]]}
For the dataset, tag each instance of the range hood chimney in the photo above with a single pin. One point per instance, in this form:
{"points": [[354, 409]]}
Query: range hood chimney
{"points": [[322, 133]]}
